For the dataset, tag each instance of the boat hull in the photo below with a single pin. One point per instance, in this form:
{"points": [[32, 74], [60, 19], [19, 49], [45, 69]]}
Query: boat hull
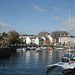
{"points": [[69, 70]]}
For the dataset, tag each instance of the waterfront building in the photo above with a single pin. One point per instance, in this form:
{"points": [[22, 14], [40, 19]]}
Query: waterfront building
{"points": [[37, 41], [28, 40], [46, 38], [24, 38], [50, 38], [32, 40], [43, 38], [64, 39], [57, 34]]}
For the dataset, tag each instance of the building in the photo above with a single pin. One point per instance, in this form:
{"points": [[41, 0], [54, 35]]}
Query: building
{"points": [[23, 38], [63, 39], [28, 40], [45, 38], [37, 41], [57, 34], [66, 39]]}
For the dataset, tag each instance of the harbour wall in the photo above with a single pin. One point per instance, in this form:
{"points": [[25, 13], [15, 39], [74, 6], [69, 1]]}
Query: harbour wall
{"points": [[5, 51]]}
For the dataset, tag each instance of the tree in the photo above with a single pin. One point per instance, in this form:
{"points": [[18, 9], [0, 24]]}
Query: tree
{"points": [[4, 34], [14, 36]]}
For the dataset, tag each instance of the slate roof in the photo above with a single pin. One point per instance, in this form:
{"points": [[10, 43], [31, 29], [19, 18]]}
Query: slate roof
{"points": [[43, 33], [72, 36]]}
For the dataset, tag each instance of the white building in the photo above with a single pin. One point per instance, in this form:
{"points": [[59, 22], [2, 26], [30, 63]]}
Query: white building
{"points": [[50, 38], [23, 38], [66, 40], [28, 40], [37, 41], [63, 40]]}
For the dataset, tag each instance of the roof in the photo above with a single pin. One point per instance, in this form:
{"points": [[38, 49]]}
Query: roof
{"points": [[26, 35], [72, 36], [43, 33]]}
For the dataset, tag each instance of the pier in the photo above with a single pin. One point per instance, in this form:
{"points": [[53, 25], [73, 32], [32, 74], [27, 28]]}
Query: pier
{"points": [[25, 46]]}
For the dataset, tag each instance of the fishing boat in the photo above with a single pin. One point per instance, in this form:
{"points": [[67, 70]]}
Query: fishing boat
{"points": [[66, 66]]}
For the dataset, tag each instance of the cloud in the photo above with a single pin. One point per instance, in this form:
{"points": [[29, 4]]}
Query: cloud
{"points": [[56, 18], [38, 8], [6, 25], [56, 8]]}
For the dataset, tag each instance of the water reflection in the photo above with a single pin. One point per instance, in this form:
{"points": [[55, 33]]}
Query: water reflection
{"points": [[32, 63]]}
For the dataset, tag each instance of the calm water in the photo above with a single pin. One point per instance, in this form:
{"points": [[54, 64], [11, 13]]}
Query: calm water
{"points": [[31, 63]]}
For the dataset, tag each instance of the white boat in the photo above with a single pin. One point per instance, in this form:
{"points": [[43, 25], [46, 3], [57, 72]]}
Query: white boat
{"points": [[44, 48], [24, 49], [67, 67], [32, 48], [18, 49], [38, 49], [21, 49], [59, 48]]}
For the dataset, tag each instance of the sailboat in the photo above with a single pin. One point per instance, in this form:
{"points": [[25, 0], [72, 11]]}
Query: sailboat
{"points": [[66, 66]]}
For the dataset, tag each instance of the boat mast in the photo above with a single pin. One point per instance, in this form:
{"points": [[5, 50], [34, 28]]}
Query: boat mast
{"points": [[0, 28], [69, 29], [69, 24]]}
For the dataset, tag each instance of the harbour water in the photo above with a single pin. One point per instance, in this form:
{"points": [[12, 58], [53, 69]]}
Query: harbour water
{"points": [[31, 63]]}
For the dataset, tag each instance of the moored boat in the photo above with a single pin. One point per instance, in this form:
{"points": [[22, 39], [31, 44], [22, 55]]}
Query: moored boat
{"points": [[21, 49], [67, 67], [38, 49], [44, 48], [59, 48], [50, 48]]}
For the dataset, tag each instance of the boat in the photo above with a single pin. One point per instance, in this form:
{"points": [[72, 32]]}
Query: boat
{"points": [[66, 66], [24, 49], [21, 49], [66, 56], [32, 48], [50, 48], [59, 48], [38, 49], [44, 48]]}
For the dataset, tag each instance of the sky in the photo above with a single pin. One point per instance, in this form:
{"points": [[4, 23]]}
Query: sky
{"points": [[34, 16]]}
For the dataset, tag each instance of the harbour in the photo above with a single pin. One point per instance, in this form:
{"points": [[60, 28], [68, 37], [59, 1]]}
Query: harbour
{"points": [[31, 63], [37, 37]]}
